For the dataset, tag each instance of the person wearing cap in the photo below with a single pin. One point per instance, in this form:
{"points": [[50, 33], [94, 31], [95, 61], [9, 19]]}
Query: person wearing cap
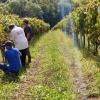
{"points": [[29, 35], [12, 56], [18, 36]]}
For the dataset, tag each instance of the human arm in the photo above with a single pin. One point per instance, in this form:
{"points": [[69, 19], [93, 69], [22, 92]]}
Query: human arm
{"points": [[6, 57], [28, 36]]}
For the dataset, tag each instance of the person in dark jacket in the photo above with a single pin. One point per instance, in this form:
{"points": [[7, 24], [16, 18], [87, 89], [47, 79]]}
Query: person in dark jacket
{"points": [[28, 34]]}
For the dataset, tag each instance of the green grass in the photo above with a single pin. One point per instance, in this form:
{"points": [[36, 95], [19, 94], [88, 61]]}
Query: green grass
{"points": [[55, 82], [6, 86], [6, 90], [8, 83], [54, 73], [54, 79], [91, 68]]}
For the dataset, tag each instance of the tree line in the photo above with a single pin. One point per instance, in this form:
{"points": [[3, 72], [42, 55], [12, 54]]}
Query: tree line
{"points": [[46, 10]]}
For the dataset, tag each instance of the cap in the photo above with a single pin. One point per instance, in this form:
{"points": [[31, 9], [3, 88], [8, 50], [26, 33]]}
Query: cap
{"points": [[8, 43]]}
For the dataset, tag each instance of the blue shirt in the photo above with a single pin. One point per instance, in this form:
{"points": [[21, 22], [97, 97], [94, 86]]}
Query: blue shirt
{"points": [[12, 55]]}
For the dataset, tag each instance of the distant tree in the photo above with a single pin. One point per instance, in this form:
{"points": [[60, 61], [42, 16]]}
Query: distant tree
{"points": [[45, 9], [3, 1], [25, 8], [50, 10], [17, 7], [33, 10], [4, 9]]}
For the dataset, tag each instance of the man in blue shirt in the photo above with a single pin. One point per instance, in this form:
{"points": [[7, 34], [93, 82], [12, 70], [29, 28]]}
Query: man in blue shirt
{"points": [[12, 55]]}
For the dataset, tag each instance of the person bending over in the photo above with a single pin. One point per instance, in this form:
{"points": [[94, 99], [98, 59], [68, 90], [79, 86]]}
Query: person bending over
{"points": [[12, 56], [18, 36]]}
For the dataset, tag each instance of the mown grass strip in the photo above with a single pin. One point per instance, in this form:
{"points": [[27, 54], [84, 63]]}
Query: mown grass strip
{"points": [[54, 73]]}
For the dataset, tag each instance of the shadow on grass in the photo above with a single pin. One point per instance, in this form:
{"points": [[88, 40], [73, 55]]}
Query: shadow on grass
{"points": [[36, 38], [87, 54], [8, 78]]}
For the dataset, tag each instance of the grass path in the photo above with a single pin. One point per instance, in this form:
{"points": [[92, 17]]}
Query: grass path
{"points": [[80, 69], [21, 93], [48, 74], [72, 60], [58, 72]]}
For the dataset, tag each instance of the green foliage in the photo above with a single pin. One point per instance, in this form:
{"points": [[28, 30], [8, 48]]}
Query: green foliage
{"points": [[86, 17], [4, 9], [3, 1], [42, 9], [87, 22], [33, 10], [64, 23], [38, 26], [25, 8]]}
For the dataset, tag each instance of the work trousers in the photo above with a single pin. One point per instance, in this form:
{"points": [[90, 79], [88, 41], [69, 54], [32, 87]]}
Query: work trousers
{"points": [[28, 55], [23, 56]]}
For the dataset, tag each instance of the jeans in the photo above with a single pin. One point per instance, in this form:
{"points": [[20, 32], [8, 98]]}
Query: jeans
{"points": [[5, 69]]}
